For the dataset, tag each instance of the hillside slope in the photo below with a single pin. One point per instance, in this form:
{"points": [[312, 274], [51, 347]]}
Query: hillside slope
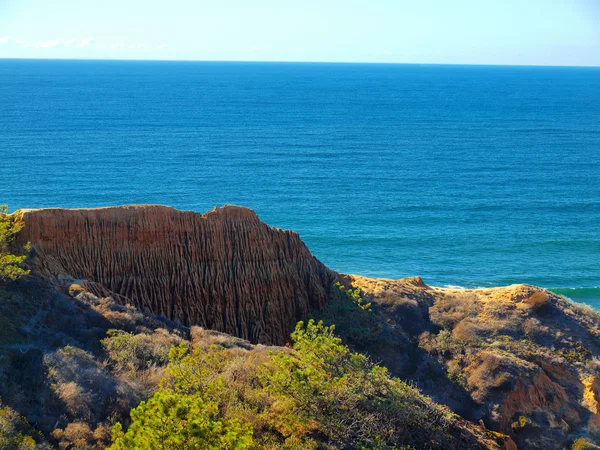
{"points": [[521, 359], [73, 363]]}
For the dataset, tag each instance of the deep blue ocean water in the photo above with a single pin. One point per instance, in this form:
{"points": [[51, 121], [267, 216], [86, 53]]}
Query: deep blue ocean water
{"points": [[464, 175]]}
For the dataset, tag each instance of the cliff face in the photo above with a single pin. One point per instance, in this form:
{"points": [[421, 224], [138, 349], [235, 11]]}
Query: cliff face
{"points": [[224, 270]]}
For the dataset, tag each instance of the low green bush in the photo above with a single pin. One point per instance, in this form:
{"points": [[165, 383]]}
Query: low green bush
{"points": [[11, 265], [316, 394]]}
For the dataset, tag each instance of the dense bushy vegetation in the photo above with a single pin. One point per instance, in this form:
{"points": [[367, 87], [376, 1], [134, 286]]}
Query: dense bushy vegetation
{"points": [[17, 434], [316, 394], [11, 265], [84, 372], [354, 319]]}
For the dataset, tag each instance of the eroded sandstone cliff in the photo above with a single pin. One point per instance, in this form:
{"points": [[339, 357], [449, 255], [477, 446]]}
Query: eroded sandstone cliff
{"points": [[224, 270]]}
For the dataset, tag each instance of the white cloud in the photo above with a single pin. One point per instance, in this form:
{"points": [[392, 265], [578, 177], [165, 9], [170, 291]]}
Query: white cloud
{"points": [[161, 46], [44, 44], [53, 43], [9, 39], [77, 43], [84, 42]]}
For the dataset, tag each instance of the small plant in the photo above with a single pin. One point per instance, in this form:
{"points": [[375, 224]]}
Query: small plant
{"points": [[577, 354], [132, 353], [14, 431], [355, 296], [582, 444], [521, 422], [11, 266]]}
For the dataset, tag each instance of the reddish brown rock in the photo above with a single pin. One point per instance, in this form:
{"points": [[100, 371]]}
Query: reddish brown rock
{"points": [[224, 270]]}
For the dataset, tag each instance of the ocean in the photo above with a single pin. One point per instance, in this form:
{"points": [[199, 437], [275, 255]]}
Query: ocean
{"points": [[464, 175]]}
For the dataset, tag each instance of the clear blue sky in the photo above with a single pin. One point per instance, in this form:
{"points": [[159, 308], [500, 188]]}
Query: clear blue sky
{"points": [[538, 32]]}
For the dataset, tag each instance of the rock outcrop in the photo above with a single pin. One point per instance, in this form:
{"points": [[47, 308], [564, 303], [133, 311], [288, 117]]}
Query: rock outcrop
{"points": [[521, 359], [224, 270]]}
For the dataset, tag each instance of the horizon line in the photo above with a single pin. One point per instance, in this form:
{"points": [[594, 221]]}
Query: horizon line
{"points": [[302, 62]]}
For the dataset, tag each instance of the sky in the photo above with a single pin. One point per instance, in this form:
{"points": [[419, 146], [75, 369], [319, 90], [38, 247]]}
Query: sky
{"points": [[522, 32]]}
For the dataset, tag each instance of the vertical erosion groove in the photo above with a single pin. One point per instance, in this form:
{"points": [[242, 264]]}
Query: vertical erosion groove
{"points": [[224, 270]]}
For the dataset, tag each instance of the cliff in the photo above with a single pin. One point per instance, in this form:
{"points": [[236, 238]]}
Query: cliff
{"points": [[224, 270]]}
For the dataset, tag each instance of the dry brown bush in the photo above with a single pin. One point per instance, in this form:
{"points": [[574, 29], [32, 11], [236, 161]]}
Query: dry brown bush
{"points": [[82, 382], [76, 435], [102, 434], [535, 301], [449, 310], [469, 332], [128, 352], [203, 338], [582, 312], [78, 402], [501, 317], [427, 342], [490, 370], [79, 436]]}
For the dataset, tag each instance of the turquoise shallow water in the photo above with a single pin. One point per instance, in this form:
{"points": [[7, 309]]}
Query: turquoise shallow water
{"points": [[470, 176]]}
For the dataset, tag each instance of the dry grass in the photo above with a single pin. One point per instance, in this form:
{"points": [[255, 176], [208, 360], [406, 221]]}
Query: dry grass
{"points": [[449, 310], [469, 331], [54, 370], [79, 436], [203, 338]]}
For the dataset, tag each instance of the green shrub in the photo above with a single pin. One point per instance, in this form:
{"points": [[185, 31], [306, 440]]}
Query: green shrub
{"points": [[356, 323], [355, 296], [129, 352], [316, 394], [11, 266], [521, 422], [171, 421], [582, 444], [14, 431]]}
